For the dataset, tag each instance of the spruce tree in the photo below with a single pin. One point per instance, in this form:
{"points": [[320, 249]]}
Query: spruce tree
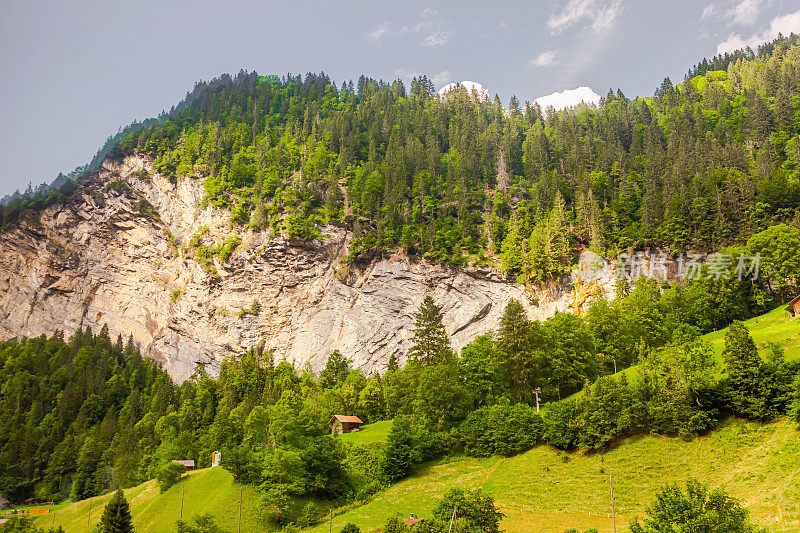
{"points": [[744, 373], [431, 342], [515, 342], [117, 515]]}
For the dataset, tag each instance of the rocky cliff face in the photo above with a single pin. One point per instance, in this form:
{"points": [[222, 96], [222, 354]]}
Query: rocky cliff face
{"points": [[107, 257]]}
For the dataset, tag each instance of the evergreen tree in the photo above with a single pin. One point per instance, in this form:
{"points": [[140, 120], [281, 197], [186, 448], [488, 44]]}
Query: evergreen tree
{"points": [[744, 372], [431, 343], [117, 515]]}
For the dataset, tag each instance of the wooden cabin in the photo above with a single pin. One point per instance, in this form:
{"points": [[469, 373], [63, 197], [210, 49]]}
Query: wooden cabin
{"points": [[793, 308], [188, 464], [344, 424]]}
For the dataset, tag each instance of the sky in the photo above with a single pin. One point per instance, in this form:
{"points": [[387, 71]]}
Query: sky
{"points": [[76, 72]]}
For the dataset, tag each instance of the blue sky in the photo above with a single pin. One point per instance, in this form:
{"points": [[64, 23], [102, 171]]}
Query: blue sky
{"points": [[73, 73]]}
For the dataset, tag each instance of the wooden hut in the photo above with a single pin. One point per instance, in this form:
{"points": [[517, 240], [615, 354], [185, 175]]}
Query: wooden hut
{"points": [[188, 464], [344, 424], [793, 308]]}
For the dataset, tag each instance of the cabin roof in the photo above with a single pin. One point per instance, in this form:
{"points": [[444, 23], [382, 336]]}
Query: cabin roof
{"points": [[347, 419], [792, 302], [184, 462]]}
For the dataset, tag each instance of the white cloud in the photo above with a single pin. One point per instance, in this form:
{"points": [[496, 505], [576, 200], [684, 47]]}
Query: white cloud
{"points": [[606, 16], [600, 17], [784, 24], [744, 13], [437, 38], [568, 98], [708, 11], [545, 59], [433, 25], [377, 33], [442, 78], [439, 79]]}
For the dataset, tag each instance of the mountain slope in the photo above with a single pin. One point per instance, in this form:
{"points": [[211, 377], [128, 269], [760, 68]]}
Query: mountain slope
{"points": [[547, 491], [139, 252]]}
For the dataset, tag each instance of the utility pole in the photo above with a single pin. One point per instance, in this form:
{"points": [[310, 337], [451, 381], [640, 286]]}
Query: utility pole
{"points": [[615, 363], [537, 391], [183, 490], [330, 521], [239, 527], [613, 516], [89, 520]]}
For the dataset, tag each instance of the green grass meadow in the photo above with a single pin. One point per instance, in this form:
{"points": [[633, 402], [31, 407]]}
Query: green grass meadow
{"points": [[211, 490], [369, 433]]}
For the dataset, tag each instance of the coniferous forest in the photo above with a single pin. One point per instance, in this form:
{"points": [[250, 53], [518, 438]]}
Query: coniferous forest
{"points": [[705, 165]]}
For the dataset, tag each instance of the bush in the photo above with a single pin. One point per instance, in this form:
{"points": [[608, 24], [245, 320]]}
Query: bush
{"points": [[199, 524], [698, 509], [169, 474], [350, 528]]}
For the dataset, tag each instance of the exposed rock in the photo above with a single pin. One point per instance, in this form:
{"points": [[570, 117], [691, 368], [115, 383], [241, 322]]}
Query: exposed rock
{"points": [[99, 260]]}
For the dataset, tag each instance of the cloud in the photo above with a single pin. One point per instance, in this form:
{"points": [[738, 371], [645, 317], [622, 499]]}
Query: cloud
{"points": [[442, 78], [437, 38], [433, 25], [545, 59], [708, 11], [606, 16], [378, 32], [568, 98], [784, 24], [439, 79], [744, 13], [600, 17]]}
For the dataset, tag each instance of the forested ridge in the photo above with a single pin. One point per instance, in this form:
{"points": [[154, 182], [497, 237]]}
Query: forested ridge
{"points": [[700, 165]]}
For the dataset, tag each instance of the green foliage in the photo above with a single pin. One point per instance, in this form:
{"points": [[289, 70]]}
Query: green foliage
{"points": [[696, 509], [117, 515], [399, 453], [475, 511], [169, 474], [431, 343], [174, 296], [199, 524], [350, 528]]}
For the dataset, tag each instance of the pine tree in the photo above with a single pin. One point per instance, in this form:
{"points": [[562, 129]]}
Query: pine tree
{"points": [[431, 342], [117, 515]]}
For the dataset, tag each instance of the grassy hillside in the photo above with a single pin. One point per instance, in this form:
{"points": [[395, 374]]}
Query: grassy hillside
{"points": [[544, 490], [205, 491], [774, 326], [370, 433]]}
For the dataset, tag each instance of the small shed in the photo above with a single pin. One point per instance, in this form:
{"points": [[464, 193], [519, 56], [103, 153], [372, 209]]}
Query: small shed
{"points": [[3, 502], [793, 308], [344, 424], [187, 463], [411, 520]]}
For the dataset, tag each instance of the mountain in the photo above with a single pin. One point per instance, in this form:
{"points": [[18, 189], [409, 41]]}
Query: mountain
{"points": [[290, 214]]}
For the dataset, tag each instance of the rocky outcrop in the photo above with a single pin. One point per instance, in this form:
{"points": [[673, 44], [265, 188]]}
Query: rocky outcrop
{"points": [[118, 256]]}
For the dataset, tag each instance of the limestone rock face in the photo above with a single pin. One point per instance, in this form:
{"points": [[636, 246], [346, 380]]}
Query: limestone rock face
{"points": [[118, 256]]}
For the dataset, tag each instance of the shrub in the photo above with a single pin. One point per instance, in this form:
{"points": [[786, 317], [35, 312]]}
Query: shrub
{"points": [[169, 474]]}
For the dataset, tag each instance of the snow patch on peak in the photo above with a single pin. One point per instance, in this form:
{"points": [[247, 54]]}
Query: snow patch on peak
{"points": [[568, 98], [470, 86]]}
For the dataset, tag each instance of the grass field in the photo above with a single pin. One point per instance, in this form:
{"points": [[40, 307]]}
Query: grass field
{"points": [[544, 490], [369, 433], [205, 491]]}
